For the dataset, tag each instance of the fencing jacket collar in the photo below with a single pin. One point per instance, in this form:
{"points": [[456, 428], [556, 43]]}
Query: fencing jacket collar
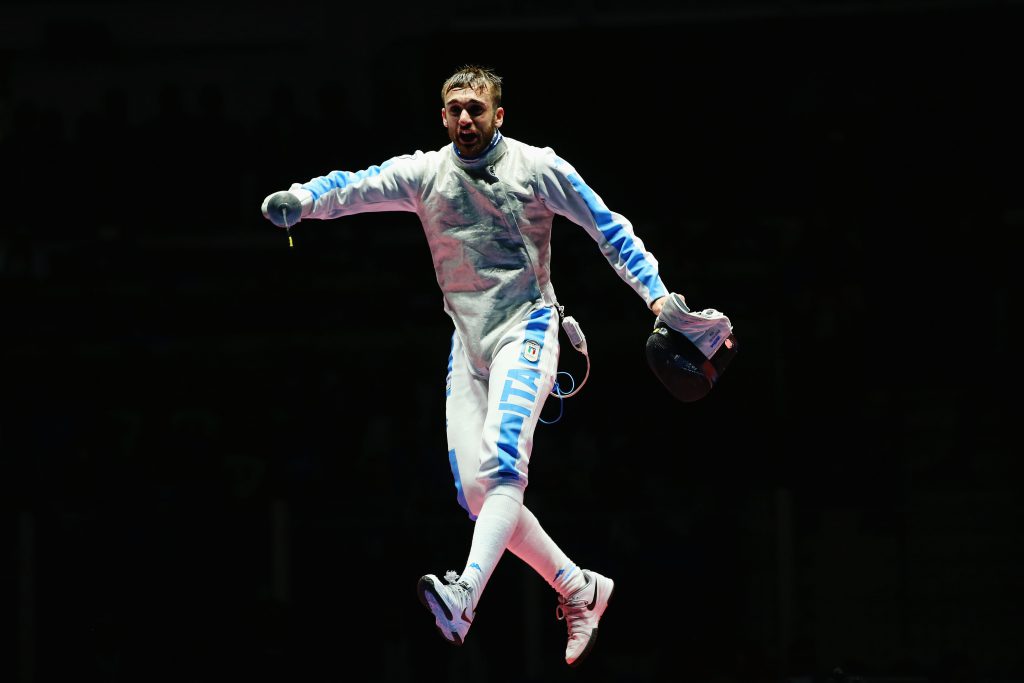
{"points": [[488, 156]]}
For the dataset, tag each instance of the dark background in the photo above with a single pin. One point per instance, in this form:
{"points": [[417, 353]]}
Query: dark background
{"points": [[224, 459]]}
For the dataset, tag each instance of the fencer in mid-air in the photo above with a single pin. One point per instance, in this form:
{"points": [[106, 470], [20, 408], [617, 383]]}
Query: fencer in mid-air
{"points": [[487, 203]]}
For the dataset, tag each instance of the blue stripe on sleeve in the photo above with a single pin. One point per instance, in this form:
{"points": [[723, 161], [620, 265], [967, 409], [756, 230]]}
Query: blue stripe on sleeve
{"points": [[340, 179], [617, 235]]}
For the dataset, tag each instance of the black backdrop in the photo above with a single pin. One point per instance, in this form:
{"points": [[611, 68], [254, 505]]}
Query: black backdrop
{"points": [[224, 459]]}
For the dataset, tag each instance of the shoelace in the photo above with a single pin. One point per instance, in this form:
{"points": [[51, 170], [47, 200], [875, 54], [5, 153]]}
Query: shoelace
{"points": [[453, 580], [571, 609], [458, 586]]}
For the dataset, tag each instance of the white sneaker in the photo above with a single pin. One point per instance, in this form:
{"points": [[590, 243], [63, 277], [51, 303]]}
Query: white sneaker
{"points": [[452, 605], [581, 611]]}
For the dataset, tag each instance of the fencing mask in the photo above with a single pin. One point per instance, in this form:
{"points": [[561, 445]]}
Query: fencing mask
{"points": [[687, 351]]}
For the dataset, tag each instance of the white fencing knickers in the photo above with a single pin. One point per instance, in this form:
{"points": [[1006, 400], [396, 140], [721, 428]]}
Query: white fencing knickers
{"points": [[490, 422]]}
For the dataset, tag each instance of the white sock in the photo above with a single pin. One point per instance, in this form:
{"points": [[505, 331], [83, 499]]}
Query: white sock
{"points": [[532, 545], [494, 526]]}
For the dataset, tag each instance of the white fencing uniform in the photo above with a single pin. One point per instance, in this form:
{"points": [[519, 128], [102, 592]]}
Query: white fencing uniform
{"points": [[488, 224], [490, 422]]}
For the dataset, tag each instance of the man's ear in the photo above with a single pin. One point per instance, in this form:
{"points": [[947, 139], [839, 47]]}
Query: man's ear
{"points": [[499, 117], [444, 117]]}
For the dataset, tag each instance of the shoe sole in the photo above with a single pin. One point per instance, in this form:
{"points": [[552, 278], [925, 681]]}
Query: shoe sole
{"points": [[427, 591], [593, 634]]}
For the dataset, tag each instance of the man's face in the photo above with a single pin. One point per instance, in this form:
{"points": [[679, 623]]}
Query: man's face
{"points": [[471, 119]]}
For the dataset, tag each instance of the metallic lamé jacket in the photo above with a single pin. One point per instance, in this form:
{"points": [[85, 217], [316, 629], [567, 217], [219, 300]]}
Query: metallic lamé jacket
{"points": [[488, 224]]}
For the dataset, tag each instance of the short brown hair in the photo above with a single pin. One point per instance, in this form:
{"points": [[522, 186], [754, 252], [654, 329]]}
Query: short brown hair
{"points": [[475, 77]]}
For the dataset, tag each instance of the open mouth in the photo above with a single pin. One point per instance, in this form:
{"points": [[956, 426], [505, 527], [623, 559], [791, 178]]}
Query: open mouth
{"points": [[468, 138]]}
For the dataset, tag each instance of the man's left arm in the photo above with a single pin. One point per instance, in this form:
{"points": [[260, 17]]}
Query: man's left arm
{"points": [[564, 191]]}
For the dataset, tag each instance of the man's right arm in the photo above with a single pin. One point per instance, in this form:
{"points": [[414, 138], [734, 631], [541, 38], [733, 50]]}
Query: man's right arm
{"points": [[391, 186]]}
